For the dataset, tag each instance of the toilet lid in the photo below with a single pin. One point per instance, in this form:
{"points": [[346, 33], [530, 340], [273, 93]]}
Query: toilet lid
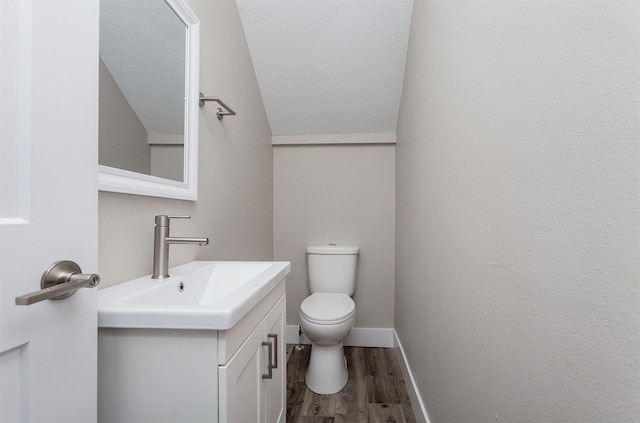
{"points": [[327, 308]]}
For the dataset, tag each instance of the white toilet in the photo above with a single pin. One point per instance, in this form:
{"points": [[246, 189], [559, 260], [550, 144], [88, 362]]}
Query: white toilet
{"points": [[329, 313]]}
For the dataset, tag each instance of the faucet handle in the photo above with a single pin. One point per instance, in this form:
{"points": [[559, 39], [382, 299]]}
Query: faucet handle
{"points": [[163, 219]]}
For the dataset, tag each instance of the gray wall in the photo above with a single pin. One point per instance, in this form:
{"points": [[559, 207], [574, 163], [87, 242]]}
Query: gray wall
{"points": [[342, 194], [167, 161], [517, 237], [120, 128], [235, 205]]}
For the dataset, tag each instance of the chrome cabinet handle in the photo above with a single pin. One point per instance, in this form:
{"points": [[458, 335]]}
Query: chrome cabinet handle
{"points": [[269, 375], [275, 347], [61, 280]]}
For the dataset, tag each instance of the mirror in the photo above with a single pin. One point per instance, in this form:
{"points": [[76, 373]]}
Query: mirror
{"points": [[148, 119]]}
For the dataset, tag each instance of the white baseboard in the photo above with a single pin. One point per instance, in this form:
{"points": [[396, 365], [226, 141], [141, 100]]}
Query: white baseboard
{"points": [[358, 337], [419, 408]]}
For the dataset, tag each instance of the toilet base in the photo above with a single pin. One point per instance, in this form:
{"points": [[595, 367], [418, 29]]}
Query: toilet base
{"points": [[327, 372]]}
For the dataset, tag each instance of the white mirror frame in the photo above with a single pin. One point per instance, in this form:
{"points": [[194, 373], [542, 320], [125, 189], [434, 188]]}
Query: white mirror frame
{"points": [[127, 182]]}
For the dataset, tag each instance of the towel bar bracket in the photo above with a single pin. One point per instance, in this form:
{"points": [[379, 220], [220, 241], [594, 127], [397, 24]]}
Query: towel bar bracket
{"points": [[221, 112]]}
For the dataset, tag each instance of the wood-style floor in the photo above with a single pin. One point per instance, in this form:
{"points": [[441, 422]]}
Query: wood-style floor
{"points": [[375, 392]]}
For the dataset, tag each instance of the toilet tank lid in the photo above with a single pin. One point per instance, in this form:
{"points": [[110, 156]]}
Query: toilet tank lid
{"points": [[332, 249]]}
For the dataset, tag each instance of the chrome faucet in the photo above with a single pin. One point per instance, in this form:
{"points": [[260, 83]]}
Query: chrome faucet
{"points": [[161, 241]]}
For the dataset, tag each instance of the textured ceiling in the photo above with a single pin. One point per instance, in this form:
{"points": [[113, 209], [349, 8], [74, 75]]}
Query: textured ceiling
{"points": [[328, 66], [142, 43]]}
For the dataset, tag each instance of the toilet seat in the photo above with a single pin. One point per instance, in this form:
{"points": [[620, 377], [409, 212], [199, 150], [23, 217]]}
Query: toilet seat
{"points": [[325, 308]]}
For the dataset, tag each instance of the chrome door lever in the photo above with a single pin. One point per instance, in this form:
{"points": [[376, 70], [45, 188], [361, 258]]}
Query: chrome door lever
{"points": [[61, 280]]}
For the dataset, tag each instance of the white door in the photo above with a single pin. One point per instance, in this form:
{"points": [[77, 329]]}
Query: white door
{"points": [[48, 206]]}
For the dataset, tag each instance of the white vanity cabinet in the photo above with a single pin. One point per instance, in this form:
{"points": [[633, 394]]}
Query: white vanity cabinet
{"points": [[192, 375], [252, 381]]}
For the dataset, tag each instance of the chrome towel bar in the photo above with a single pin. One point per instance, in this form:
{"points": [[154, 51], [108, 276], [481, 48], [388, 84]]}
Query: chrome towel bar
{"points": [[220, 112]]}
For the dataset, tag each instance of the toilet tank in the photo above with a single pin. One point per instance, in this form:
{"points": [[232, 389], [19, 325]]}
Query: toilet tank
{"points": [[332, 268]]}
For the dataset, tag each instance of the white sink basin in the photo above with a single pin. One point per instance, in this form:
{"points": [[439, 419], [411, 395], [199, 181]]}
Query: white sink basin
{"points": [[198, 295]]}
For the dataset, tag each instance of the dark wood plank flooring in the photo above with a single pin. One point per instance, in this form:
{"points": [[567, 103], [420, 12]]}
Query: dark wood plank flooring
{"points": [[376, 391]]}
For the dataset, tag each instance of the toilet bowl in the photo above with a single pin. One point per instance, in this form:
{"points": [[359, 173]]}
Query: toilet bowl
{"points": [[327, 319]]}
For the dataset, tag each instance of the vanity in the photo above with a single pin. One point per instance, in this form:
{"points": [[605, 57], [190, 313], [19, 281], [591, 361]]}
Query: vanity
{"points": [[205, 342], [204, 345]]}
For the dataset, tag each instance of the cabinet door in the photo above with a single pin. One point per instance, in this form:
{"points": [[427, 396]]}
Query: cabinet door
{"points": [[274, 388], [241, 398]]}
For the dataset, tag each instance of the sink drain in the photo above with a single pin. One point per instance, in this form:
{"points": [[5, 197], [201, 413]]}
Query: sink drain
{"points": [[181, 286]]}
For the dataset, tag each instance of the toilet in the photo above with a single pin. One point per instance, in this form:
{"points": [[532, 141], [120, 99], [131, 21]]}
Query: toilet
{"points": [[328, 314]]}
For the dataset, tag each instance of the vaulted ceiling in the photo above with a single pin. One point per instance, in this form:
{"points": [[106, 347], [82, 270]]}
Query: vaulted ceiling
{"points": [[328, 66]]}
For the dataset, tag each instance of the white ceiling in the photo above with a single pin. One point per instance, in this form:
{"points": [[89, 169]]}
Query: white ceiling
{"points": [[328, 66], [142, 43]]}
